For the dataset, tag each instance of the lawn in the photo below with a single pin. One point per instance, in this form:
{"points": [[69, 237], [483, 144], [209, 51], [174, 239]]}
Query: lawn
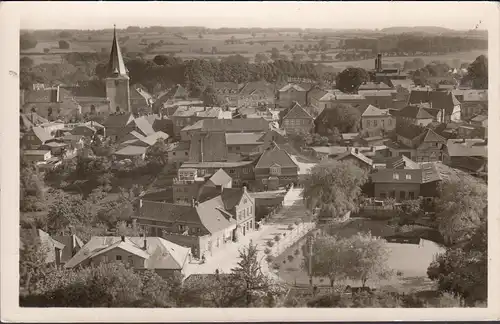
{"points": [[409, 261]]}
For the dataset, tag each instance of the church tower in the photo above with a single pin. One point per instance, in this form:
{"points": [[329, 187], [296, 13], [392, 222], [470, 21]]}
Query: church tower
{"points": [[117, 81]]}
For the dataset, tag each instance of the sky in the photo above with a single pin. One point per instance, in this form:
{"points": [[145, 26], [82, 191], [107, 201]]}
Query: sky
{"points": [[336, 15]]}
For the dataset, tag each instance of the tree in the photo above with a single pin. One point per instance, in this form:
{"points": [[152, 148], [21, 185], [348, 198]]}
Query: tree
{"points": [[210, 98], [105, 285], [32, 262], [254, 284], [63, 44], [462, 269], [25, 62], [478, 72], [313, 56], [275, 53], [457, 218], [418, 63], [369, 258], [350, 79], [329, 258], [214, 50], [344, 117], [67, 211], [261, 58], [334, 187], [157, 154], [27, 41], [65, 34]]}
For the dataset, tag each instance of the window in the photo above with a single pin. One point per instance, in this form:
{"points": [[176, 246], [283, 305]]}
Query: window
{"points": [[182, 228], [118, 258], [383, 195], [232, 171], [402, 195], [237, 148], [408, 177], [395, 176], [390, 121], [130, 260], [368, 123], [411, 195], [246, 170], [173, 153], [375, 123], [393, 194], [275, 170], [185, 153]]}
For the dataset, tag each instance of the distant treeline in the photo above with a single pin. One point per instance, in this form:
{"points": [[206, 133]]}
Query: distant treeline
{"points": [[412, 44]]}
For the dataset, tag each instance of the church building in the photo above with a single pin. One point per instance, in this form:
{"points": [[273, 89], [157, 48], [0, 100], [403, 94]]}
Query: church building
{"points": [[117, 81]]}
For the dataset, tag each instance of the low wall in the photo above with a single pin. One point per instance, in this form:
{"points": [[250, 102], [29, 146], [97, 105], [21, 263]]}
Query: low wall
{"points": [[291, 238]]}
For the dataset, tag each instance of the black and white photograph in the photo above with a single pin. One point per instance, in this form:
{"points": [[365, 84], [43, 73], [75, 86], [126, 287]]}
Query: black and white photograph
{"points": [[233, 155]]}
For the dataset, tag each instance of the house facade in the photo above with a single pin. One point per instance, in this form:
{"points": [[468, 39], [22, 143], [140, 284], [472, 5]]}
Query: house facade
{"points": [[297, 120], [421, 145], [275, 168], [290, 94], [374, 119]]}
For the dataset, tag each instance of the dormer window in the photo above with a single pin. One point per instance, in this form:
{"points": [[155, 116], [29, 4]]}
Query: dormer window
{"points": [[395, 176], [275, 169]]}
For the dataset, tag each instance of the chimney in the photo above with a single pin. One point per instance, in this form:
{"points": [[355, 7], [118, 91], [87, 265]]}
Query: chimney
{"points": [[193, 202], [245, 189], [145, 243], [201, 149], [123, 238], [58, 94], [376, 64], [379, 58], [356, 151]]}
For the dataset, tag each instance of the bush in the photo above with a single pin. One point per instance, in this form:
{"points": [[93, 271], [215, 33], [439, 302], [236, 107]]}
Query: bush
{"points": [[267, 251], [296, 252], [277, 238], [276, 266], [63, 44], [290, 258], [269, 259], [270, 243], [296, 223], [290, 227]]}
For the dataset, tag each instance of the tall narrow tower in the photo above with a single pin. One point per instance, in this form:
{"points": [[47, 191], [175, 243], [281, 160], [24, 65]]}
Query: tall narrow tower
{"points": [[117, 81]]}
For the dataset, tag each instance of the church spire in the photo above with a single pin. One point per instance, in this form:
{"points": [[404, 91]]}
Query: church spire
{"points": [[116, 66]]}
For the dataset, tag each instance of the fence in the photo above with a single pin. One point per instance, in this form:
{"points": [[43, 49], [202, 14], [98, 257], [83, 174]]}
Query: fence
{"points": [[291, 238]]}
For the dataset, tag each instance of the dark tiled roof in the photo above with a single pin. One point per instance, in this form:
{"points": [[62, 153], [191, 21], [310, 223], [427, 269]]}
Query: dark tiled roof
{"points": [[72, 243], [209, 147], [117, 120], [438, 99], [208, 214], [275, 155], [355, 153], [243, 138], [410, 131], [232, 197], [415, 111], [297, 112], [373, 85]]}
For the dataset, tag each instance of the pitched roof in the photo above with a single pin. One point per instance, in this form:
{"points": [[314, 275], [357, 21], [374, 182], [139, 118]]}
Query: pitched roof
{"points": [[208, 214], [209, 147], [42, 134], [118, 120], [479, 118], [144, 126], [406, 83], [203, 112], [244, 138], [71, 243], [467, 147], [159, 253], [230, 125], [372, 111], [116, 65], [48, 243], [275, 155], [262, 86], [297, 112], [294, 86], [232, 197], [373, 85], [30, 120], [410, 131], [217, 164], [220, 178], [416, 112], [438, 99], [357, 154], [131, 150], [397, 176], [432, 136]]}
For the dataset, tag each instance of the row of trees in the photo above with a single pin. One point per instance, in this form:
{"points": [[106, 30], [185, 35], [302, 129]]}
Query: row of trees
{"points": [[413, 44]]}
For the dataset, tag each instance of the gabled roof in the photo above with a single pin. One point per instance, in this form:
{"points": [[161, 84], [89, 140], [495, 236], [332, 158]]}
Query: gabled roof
{"points": [[432, 136], [289, 86], [42, 134], [297, 112], [116, 65], [144, 126], [230, 125], [118, 120], [209, 147], [275, 155], [406, 83], [355, 153], [244, 138], [479, 118], [220, 178], [159, 253], [438, 99], [131, 150], [372, 111], [209, 215], [48, 243], [30, 120], [202, 112], [71, 243], [416, 112], [232, 197]]}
